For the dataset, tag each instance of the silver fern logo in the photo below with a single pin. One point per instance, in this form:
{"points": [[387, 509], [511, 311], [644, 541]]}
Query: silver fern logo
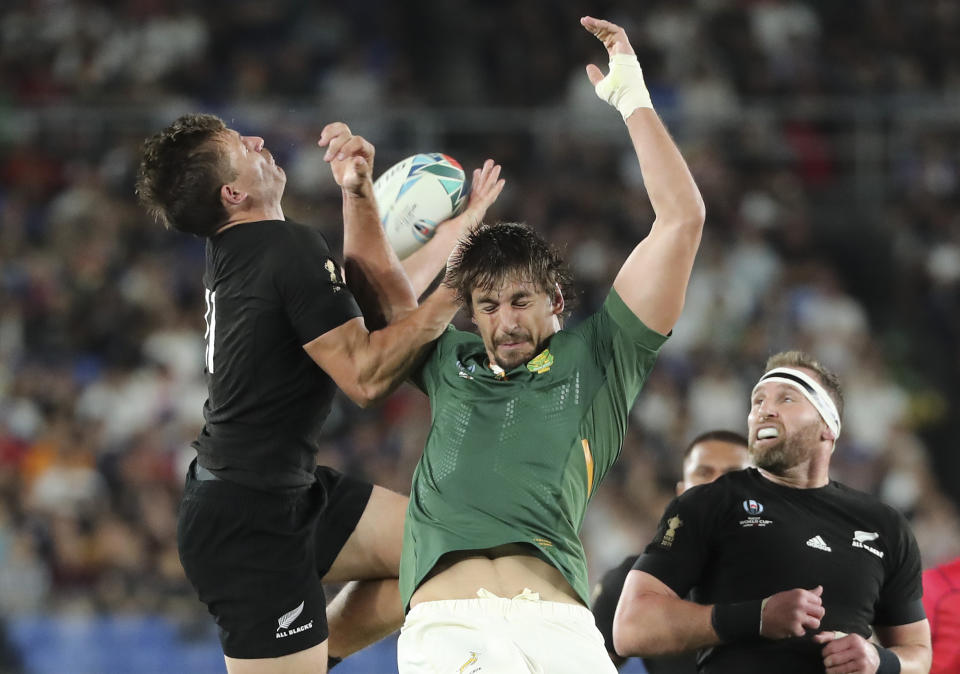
{"points": [[287, 618]]}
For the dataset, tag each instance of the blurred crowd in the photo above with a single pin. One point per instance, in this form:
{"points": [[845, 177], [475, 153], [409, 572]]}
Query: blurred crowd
{"points": [[831, 184]]}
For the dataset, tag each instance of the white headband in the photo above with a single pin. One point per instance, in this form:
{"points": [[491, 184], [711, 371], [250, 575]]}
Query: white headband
{"points": [[812, 391]]}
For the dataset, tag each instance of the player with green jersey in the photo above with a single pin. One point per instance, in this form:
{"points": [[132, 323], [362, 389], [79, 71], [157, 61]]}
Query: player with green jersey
{"points": [[514, 456], [527, 418]]}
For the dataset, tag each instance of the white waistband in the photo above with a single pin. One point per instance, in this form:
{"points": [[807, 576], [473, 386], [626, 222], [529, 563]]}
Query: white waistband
{"points": [[487, 603]]}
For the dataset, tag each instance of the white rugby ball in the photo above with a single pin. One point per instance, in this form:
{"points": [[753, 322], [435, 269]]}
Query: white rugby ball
{"points": [[417, 194]]}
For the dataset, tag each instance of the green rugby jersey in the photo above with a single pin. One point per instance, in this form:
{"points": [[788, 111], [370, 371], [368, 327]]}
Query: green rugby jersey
{"points": [[515, 459]]}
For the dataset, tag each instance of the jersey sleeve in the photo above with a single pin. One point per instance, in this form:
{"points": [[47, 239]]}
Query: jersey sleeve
{"points": [[678, 552], [427, 374], [901, 597], [310, 284]]}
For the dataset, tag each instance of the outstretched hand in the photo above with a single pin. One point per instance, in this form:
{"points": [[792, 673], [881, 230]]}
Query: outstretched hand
{"points": [[613, 37], [350, 157], [484, 190]]}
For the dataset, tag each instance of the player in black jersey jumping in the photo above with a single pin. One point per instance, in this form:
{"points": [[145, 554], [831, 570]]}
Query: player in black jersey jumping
{"points": [[707, 457], [788, 570], [260, 525]]}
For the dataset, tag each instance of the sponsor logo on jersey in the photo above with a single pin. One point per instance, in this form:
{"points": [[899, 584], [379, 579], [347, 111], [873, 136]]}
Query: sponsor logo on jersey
{"points": [[673, 524], [541, 362], [464, 371], [861, 538], [287, 619], [753, 508], [819, 544]]}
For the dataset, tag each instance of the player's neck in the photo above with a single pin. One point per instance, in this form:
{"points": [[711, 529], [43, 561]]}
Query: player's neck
{"points": [[253, 215], [809, 474]]}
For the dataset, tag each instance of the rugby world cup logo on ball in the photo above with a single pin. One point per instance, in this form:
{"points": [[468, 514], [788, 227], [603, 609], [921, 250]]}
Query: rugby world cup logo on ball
{"points": [[417, 194]]}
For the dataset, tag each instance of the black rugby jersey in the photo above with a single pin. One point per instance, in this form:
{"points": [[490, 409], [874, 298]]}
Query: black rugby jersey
{"points": [[271, 287], [744, 537], [605, 597]]}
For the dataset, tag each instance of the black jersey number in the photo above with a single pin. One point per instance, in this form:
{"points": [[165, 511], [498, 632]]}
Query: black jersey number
{"points": [[210, 317]]}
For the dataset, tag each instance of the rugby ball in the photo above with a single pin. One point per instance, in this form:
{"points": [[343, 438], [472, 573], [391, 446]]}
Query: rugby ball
{"points": [[417, 194]]}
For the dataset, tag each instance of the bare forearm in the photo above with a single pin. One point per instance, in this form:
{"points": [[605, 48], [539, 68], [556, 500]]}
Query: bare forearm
{"points": [[670, 186], [372, 270], [658, 625], [913, 659], [392, 352]]}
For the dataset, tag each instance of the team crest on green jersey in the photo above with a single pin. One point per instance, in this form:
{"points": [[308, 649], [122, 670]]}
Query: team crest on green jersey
{"points": [[541, 363]]}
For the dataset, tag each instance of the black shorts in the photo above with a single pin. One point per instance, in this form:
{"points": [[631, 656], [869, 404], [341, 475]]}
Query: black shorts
{"points": [[256, 558]]}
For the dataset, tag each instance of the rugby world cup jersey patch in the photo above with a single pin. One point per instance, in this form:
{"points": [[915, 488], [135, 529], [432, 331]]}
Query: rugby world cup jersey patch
{"points": [[753, 509]]}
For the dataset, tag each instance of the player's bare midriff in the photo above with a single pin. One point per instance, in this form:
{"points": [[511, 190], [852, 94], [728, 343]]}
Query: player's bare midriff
{"points": [[505, 571]]}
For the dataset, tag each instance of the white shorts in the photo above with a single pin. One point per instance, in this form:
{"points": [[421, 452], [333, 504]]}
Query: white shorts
{"points": [[493, 635]]}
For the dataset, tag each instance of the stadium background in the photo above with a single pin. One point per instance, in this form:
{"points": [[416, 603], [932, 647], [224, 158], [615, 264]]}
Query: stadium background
{"points": [[823, 135]]}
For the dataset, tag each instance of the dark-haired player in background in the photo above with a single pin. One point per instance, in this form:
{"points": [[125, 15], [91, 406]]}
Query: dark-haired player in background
{"points": [[707, 457], [260, 525], [788, 571]]}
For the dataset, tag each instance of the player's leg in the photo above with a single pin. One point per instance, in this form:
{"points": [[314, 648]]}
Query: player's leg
{"points": [[250, 556], [362, 613], [311, 661], [373, 549], [359, 539]]}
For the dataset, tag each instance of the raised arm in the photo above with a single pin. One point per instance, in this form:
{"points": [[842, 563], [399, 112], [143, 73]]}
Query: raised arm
{"points": [[366, 365], [653, 280], [424, 264], [371, 268]]}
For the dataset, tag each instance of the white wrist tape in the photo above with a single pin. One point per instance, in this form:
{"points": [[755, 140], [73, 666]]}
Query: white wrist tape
{"points": [[623, 87]]}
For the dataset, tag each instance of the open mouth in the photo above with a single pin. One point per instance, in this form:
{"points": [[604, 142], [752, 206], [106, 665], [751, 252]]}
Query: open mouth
{"points": [[768, 433]]}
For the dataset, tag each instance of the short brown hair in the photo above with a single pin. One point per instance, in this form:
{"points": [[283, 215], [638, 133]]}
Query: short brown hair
{"points": [[492, 253], [181, 172], [828, 379]]}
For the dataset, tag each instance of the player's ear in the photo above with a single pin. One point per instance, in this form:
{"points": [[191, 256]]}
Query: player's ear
{"points": [[231, 196], [557, 300], [679, 488], [827, 434]]}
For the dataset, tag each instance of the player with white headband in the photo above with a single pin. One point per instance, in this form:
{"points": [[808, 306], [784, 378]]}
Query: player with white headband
{"points": [[787, 570], [812, 391]]}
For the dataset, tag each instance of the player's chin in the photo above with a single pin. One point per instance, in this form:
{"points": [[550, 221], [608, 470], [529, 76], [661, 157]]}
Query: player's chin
{"points": [[509, 358]]}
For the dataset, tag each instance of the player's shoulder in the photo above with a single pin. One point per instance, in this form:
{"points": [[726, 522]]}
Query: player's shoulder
{"points": [[456, 345], [297, 235], [868, 508], [861, 500], [728, 485], [455, 336]]}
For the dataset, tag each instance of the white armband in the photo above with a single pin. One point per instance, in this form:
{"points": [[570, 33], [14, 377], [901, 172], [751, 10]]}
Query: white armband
{"points": [[623, 87]]}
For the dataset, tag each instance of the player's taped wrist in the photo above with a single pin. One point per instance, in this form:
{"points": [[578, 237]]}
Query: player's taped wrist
{"points": [[740, 620], [623, 87], [889, 662]]}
